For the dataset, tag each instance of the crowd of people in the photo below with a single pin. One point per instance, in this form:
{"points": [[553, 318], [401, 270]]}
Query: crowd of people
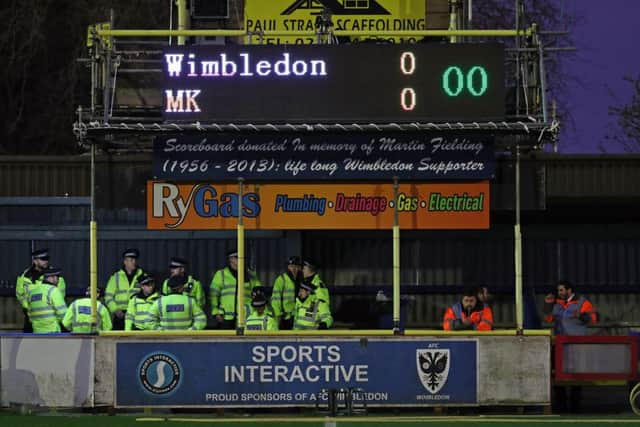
{"points": [[135, 300]]}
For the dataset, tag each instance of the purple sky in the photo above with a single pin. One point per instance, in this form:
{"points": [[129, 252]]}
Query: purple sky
{"points": [[608, 40]]}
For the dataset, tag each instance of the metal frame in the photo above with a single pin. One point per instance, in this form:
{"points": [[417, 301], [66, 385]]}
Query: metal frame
{"points": [[105, 59]]}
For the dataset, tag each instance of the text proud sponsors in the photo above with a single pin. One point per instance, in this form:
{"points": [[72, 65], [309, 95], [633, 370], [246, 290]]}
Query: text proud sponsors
{"points": [[318, 206]]}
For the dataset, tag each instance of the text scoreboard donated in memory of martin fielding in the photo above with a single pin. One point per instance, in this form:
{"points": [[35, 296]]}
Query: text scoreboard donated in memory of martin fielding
{"points": [[337, 83]]}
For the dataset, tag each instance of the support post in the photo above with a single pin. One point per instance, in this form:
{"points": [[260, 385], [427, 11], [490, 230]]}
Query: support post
{"points": [[182, 19], [240, 315], [518, 250], [396, 261]]}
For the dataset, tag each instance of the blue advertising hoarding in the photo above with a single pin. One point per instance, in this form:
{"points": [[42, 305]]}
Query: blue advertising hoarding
{"points": [[248, 373], [356, 156]]}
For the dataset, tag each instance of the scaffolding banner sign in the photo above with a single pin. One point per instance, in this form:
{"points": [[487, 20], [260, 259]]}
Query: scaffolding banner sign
{"points": [[215, 206], [357, 157], [294, 373], [359, 16]]}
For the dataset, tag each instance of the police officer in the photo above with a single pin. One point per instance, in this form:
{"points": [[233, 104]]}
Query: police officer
{"points": [[137, 317], [121, 285], [311, 312], [29, 277], [78, 316], [176, 311], [285, 288], [468, 314], [45, 303], [310, 275], [260, 319], [193, 288], [223, 291]]}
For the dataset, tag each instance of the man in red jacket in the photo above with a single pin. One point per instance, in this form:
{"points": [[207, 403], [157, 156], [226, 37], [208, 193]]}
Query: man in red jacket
{"points": [[468, 314]]}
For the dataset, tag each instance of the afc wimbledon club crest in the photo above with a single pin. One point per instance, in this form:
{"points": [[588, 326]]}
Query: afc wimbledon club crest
{"points": [[433, 368]]}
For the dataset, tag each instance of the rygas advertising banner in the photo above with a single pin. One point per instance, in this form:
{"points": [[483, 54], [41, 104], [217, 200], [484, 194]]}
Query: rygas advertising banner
{"points": [[210, 206], [294, 372], [361, 16]]}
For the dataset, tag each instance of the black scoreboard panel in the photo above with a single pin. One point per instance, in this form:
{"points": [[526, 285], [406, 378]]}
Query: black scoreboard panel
{"points": [[334, 83]]}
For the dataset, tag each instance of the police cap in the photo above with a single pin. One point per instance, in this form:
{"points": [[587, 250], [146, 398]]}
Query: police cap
{"points": [[145, 280], [310, 264], [232, 254], [308, 286], [295, 260], [52, 271], [259, 300], [40, 254], [176, 262], [131, 253]]}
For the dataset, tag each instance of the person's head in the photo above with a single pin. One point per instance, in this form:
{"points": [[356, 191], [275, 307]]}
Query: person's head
{"points": [[306, 289], [259, 302], [40, 258], [51, 275], [88, 291], [177, 266], [130, 259], [147, 285], [232, 260], [565, 289], [470, 299], [309, 268], [483, 295], [294, 265], [176, 284]]}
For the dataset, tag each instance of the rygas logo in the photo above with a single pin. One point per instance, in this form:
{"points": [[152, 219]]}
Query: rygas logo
{"points": [[203, 199]]}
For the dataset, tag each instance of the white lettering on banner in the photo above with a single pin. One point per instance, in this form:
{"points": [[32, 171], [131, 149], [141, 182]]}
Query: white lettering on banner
{"points": [[450, 166], [295, 373], [357, 165], [464, 145], [299, 354], [172, 145], [315, 355], [433, 397], [245, 66]]}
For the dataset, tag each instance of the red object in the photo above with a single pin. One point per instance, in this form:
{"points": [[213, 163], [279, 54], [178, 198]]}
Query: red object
{"points": [[562, 340]]}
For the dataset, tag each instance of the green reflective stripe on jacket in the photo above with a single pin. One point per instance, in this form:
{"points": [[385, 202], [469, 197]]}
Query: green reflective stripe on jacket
{"points": [[222, 292], [283, 297], [118, 291], [310, 312], [46, 308], [78, 317], [138, 312], [193, 288], [23, 283], [261, 322], [176, 312], [321, 289]]}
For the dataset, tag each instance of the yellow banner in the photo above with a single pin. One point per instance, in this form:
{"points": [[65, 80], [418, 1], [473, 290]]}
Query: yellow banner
{"points": [[362, 16]]}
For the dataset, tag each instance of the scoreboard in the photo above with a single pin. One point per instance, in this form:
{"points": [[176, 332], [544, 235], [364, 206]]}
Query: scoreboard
{"points": [[357, 83]]}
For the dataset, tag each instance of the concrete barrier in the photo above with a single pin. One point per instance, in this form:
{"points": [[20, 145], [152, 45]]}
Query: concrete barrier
{"points": [[212, 370], [52, 371]]}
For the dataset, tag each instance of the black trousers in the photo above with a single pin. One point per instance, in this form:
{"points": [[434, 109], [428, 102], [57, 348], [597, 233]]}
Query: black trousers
{"points": [[286, 324], [118, 323], [27, 328]]}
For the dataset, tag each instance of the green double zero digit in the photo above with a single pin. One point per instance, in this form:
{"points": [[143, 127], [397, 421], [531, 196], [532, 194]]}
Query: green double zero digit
{"points": [[454, 81]]}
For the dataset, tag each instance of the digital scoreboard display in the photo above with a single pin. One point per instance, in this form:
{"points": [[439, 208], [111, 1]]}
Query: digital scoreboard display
{"points": [[363, 83]]}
